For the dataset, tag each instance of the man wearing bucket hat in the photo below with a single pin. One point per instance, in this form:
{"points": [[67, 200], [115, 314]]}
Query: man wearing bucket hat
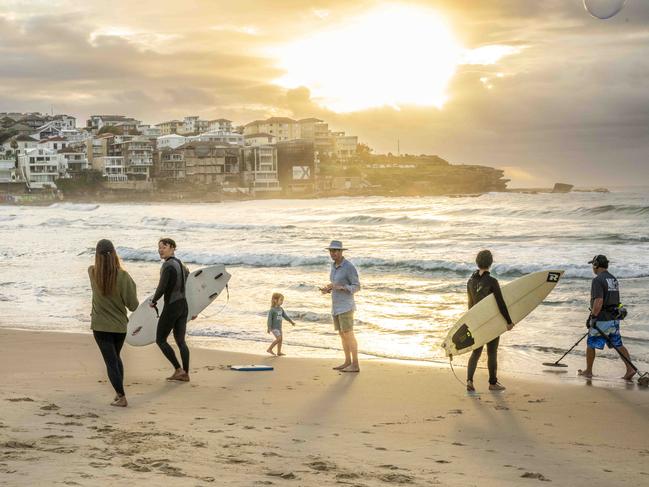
{"points": [[343, 284], [603, 322]]}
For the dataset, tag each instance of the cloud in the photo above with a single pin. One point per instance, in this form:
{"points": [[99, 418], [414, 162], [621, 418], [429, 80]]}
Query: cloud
{"points": [[571, 104]]}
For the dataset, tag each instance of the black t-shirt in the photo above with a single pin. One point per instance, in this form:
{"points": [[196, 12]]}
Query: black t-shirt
{"points": [[605, 286]]}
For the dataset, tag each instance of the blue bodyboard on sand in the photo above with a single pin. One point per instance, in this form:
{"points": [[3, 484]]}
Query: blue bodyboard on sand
{"points": [[251, 368]]}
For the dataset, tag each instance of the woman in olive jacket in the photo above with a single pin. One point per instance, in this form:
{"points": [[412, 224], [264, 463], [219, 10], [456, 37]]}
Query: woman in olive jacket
{"points": [[113, 291]]}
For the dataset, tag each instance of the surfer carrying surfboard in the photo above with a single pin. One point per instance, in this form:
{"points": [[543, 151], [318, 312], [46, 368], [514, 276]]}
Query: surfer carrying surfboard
{"points": [[173, 275], [480, 285], [343, 284]]}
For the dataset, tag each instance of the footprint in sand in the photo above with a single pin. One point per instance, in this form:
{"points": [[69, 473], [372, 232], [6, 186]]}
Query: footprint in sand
{"points": [[455, 411], [396, 478], [50, 407], [535, 475], [321, 466], [284, 475], [20, 399]]}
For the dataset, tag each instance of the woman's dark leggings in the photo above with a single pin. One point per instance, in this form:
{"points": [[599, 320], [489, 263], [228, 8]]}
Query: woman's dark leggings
{"points": [[492, 361], [110, 345], [174, 317]]}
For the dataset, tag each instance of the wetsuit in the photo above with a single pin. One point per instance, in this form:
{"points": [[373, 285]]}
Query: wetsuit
{"points": [[478, 288], [174, 314]]}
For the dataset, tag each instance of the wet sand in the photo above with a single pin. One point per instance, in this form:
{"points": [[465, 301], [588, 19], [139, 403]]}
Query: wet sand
{"points": [[302, 424]]}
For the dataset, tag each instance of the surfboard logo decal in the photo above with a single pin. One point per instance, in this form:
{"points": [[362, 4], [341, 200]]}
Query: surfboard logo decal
{"points": [[136, 331], [553, 277], [463, 338]]}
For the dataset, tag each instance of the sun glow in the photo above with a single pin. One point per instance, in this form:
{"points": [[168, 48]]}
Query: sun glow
{"points": [[394, 56]]}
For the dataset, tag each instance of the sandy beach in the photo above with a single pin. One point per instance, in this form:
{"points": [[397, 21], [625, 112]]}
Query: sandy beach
{"points": [[301, 424]]}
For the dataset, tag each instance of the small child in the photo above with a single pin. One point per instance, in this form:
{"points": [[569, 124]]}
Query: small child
{"points": [[275, 315]]}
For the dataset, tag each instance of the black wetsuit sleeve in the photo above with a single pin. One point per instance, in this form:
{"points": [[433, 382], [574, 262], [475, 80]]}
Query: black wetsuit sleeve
{"points": [[502, 306], [167, 280], [468, 291]]}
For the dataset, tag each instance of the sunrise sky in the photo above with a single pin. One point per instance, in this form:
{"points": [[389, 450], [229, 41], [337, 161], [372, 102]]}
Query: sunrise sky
{"points": [[541, 89]]}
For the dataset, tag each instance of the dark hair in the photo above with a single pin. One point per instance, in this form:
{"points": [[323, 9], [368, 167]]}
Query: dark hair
{"points": [[484, 259], [106, 267], [167, 241]]}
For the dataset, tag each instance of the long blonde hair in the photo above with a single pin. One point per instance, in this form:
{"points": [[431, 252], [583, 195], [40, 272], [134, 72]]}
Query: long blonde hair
{"points": [[107, 266], [274, 301]]}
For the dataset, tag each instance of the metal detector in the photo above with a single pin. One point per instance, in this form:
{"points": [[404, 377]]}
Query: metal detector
{"points": [[557, 364]]}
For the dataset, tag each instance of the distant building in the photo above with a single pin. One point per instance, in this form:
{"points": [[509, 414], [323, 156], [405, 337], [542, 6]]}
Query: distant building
{"points": [[23, 143], [220, 125], [7, 170], [282, 128], [148, 131], [170, 127], [219, 138], [260, 168], [54, 143], [96, 122], [344, 146], [296, 165], [76, 160], [40, 167], [259, 139], [170, 141], [137, 155], [209, 164], [112, 168], [171, 165]]}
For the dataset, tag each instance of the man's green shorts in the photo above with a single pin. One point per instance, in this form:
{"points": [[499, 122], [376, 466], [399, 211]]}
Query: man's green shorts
{"points": [[344, 321]]}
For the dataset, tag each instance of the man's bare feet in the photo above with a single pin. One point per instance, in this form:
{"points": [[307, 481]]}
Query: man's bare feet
{"points": [[270, 351], [585, 373], [629, 375], [351, 368], [342, 366], [120, 402], [280, 354], [469, 386]]}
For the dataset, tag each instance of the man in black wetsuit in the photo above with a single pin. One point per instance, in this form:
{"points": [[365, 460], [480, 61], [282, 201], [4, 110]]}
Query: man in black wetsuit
{"points": [[481, 285], [173, 275]]}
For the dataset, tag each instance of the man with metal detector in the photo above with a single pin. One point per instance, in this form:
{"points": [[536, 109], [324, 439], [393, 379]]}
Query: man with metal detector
{"points": [[604, 320]]}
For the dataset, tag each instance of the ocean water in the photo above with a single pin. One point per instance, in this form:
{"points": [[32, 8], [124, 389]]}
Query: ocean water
{"points": [[414, 256]]}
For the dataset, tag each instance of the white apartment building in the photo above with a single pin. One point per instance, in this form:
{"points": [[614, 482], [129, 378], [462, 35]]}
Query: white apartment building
{"points": [[64, 122], [260, 163], [97, 122], [259, 139], [7, 170], [76, 158], [170, 141], [282, 128], [218, 137], [344, 146], [54, 143], [111, 167], [148, 131], [40, 167], [219, 125], [23, 142], [170, 127]]}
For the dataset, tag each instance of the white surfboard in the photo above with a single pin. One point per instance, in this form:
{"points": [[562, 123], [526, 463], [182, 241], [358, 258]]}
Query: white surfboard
{"points": [[203, 286], [483, 322]]}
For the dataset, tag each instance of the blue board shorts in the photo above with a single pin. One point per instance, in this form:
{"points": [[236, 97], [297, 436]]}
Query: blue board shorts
{"points": [[610, 328]]}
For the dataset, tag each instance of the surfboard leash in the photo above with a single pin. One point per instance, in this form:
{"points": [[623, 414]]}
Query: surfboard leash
{"points": [[450, 362], [227, 290]]}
